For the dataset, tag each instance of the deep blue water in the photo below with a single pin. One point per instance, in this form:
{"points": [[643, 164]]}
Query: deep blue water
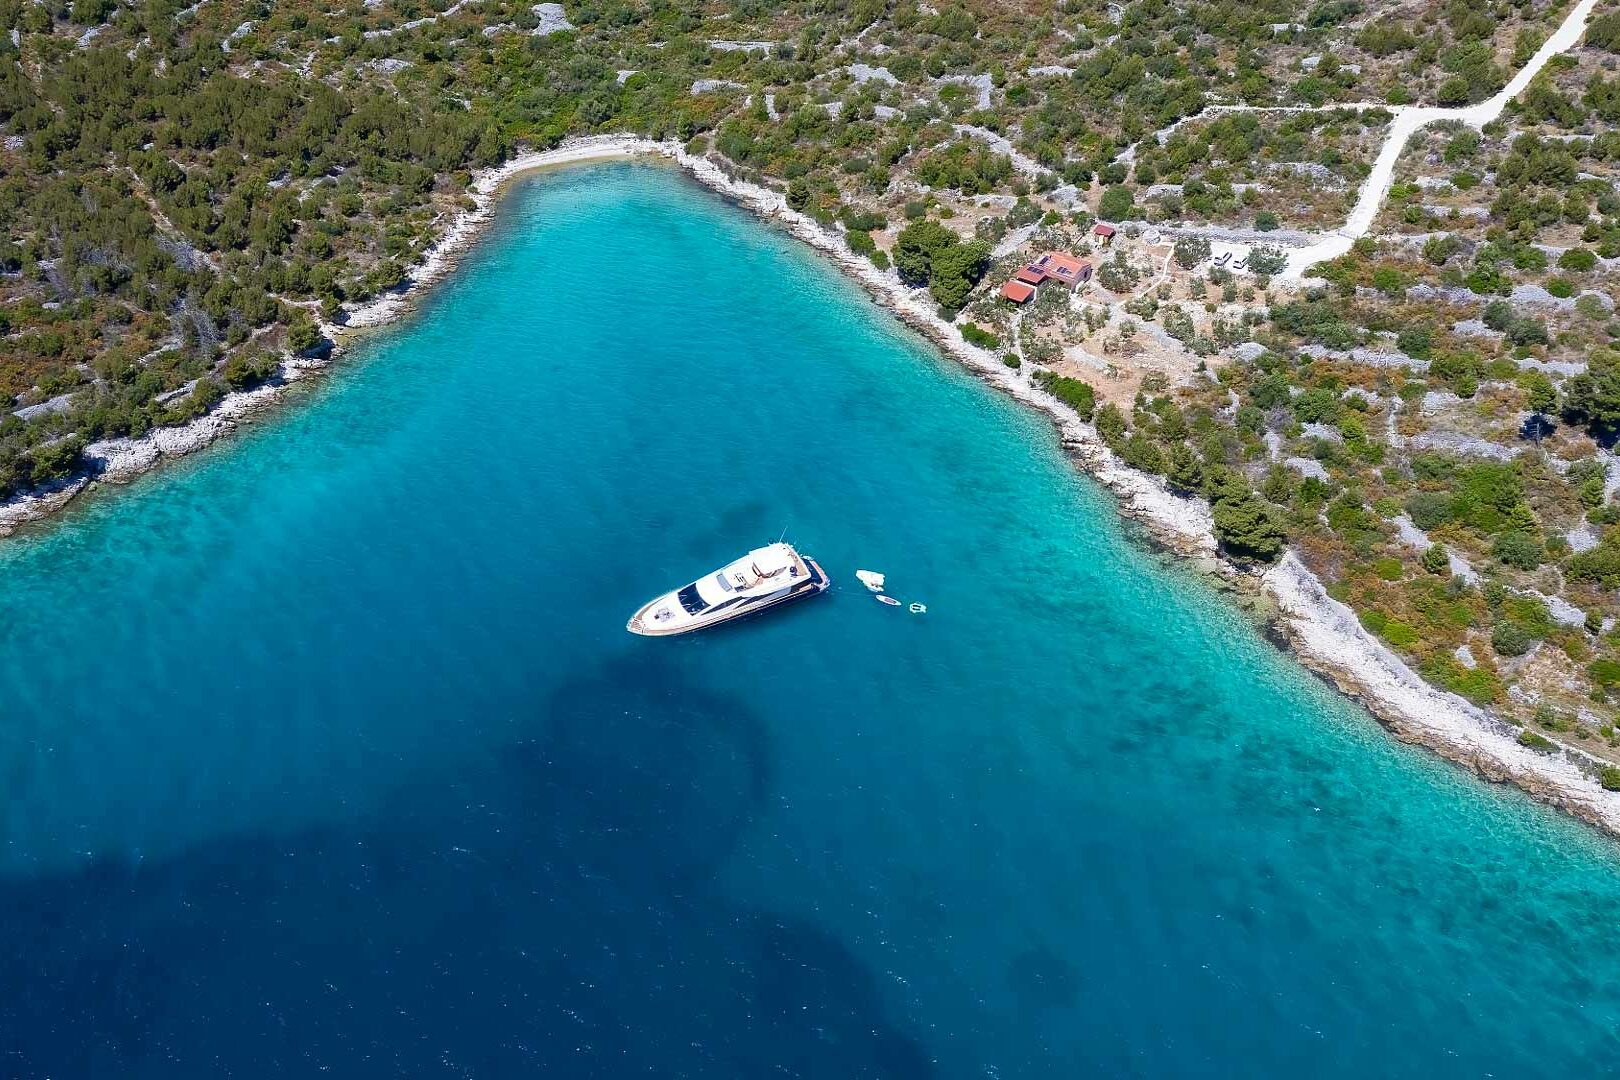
{"points": [[326, 753]]}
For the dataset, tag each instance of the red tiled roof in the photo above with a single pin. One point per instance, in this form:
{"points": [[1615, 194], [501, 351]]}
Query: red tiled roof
{"points": [[1031, 275], [1065, 267], [1017, 292], [1103, 230]]}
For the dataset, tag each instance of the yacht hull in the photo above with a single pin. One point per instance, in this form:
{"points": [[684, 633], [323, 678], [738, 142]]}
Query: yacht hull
{"points": [[642, 622]]}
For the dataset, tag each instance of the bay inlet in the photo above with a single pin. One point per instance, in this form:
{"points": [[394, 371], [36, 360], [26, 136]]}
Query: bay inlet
{"points": [[327, 750]]}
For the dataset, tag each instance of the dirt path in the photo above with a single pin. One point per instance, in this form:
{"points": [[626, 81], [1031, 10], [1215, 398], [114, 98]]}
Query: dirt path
{"points": [[1409, 119]]}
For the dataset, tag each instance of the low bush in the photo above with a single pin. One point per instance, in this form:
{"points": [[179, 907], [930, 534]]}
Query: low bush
{"points": [[975, 334], [244, 372], [1141, 452], [1605, 672], [1077, 395], [1400, 635], [1111, 425], [302, 333], [1267, 260], [1531, 613], [57, 460], [1479, 685], [1435, 560], [1577, 259], [1539, 743], [1429, 509], [1247, 527], [1511, 639], [1519, 549]]}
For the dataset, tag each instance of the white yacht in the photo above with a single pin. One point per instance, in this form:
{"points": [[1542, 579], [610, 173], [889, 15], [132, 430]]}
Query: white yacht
{"points": [[763, 578]]}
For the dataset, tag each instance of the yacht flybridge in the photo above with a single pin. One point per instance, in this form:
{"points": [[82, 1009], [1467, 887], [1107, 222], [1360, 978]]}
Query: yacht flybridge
{"points": [[764, 578]]}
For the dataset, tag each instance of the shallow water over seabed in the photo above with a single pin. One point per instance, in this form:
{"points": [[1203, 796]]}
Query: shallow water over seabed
{"points": [[327, 750]]}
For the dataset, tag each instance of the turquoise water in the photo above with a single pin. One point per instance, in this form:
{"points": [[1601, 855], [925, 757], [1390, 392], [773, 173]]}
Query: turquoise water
{"points": [[327, 750]]}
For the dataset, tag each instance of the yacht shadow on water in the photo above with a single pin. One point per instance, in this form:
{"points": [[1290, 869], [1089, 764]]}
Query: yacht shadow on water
{"points": [[554, 910]]}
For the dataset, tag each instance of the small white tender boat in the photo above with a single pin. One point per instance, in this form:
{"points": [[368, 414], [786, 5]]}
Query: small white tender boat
{"points": [[891, 601], [871, 579], [761, 579]]}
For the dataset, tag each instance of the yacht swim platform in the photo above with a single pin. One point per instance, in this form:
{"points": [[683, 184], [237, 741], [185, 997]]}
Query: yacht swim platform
{"points": [[764, 578]]}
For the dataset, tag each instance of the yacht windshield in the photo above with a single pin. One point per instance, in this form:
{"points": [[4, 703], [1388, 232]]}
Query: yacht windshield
{"points": [[690, 600]]}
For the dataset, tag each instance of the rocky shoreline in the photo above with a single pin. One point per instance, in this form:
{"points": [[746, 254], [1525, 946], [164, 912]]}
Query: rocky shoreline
{"points": [[1322, 633], [118, 461]]}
